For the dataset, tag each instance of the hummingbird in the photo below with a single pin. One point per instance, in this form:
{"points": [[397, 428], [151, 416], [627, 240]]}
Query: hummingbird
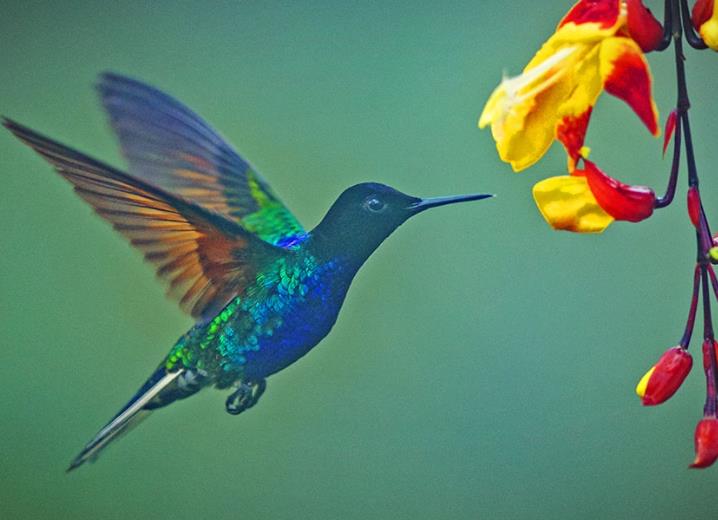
{"points": [[262, 290]]}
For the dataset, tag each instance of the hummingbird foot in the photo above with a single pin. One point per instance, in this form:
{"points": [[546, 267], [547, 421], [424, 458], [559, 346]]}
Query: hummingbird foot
{"points": [[245, 396]]}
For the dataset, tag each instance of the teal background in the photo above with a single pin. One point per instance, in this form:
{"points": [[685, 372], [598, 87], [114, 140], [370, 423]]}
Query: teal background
{"points": [[483, 366]]}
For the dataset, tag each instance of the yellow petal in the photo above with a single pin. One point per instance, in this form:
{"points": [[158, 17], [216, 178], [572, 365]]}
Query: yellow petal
{"points": [[523, 111], [643, 383], [492, 108], [588, 84], [566, 203]]}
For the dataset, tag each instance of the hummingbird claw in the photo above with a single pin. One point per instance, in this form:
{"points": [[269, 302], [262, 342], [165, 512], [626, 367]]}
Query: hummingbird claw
{"points": [[245, 396]]}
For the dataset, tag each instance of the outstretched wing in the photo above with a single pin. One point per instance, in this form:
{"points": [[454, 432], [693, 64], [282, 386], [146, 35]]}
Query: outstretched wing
{"points": [[206, 258], [170, 146]]}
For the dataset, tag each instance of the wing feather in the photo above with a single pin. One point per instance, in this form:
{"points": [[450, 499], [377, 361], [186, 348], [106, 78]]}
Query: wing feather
{"points": [[171, 146], [205, 258]]}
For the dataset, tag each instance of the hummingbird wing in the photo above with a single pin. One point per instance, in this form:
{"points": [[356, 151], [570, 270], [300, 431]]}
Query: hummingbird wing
{"points": [[170, 146], [206, 258]]}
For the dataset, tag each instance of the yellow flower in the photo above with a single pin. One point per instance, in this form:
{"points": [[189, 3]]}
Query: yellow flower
{"points": [[590, 51]]}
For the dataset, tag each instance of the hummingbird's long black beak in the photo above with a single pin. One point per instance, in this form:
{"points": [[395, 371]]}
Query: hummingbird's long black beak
{"points": [[435, 202]]}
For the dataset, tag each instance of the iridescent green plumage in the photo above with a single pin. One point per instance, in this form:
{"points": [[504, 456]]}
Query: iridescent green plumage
{"points": [[267, 327]]}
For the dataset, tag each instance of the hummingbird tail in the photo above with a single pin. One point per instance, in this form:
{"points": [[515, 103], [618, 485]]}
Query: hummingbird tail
{"points": [[138, 408]]}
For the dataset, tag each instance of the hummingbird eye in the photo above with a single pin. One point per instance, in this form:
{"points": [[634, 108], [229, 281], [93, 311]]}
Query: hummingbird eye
{"points": [[374, 204]]}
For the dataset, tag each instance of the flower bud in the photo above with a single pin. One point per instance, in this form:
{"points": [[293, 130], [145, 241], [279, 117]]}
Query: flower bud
{"points": [[706, 439], [694, 205], [664, 378], [670, 128], [643, 27]]}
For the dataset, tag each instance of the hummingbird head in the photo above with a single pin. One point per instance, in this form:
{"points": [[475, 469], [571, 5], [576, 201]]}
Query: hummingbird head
{"points": [[365, 214]]}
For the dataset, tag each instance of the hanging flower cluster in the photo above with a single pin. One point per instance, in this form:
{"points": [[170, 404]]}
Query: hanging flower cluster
{"points": [[601, 45]]}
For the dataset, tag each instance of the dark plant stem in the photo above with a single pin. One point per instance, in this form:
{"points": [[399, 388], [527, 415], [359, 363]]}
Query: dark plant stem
{"points": [[688, 332], [683, 104], [668, 17], [692, 38], [678, 25], [712, 374], [714, 280], [673, 32], [664, 201]]}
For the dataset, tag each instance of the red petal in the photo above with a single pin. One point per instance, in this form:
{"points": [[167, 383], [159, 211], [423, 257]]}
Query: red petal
{"points": [[603, 12], [571, 131], [670, 128], [643, 27], [668, 375], [630, 81], [706, 439], [694, 205], [621, 201], [702, 10]]}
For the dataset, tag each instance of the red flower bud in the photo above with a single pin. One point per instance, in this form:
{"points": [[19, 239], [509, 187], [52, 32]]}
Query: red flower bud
{"points": [[706, 438], [643, 27], [670, 128], [666, 376], [694, 205], [621, 201]]}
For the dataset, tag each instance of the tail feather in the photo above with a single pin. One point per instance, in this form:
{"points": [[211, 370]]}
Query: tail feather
{"points": [[133, 412]]}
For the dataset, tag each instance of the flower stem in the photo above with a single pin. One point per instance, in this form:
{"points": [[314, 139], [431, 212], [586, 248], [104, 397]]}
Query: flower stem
{"points": [[692, 38], [688, 332], [667, 26], [667, 198], [714, 280], [683, 104], [709, 408]]}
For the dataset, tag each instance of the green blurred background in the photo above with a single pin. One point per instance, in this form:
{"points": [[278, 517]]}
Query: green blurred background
{"points": [[483, 366]]}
